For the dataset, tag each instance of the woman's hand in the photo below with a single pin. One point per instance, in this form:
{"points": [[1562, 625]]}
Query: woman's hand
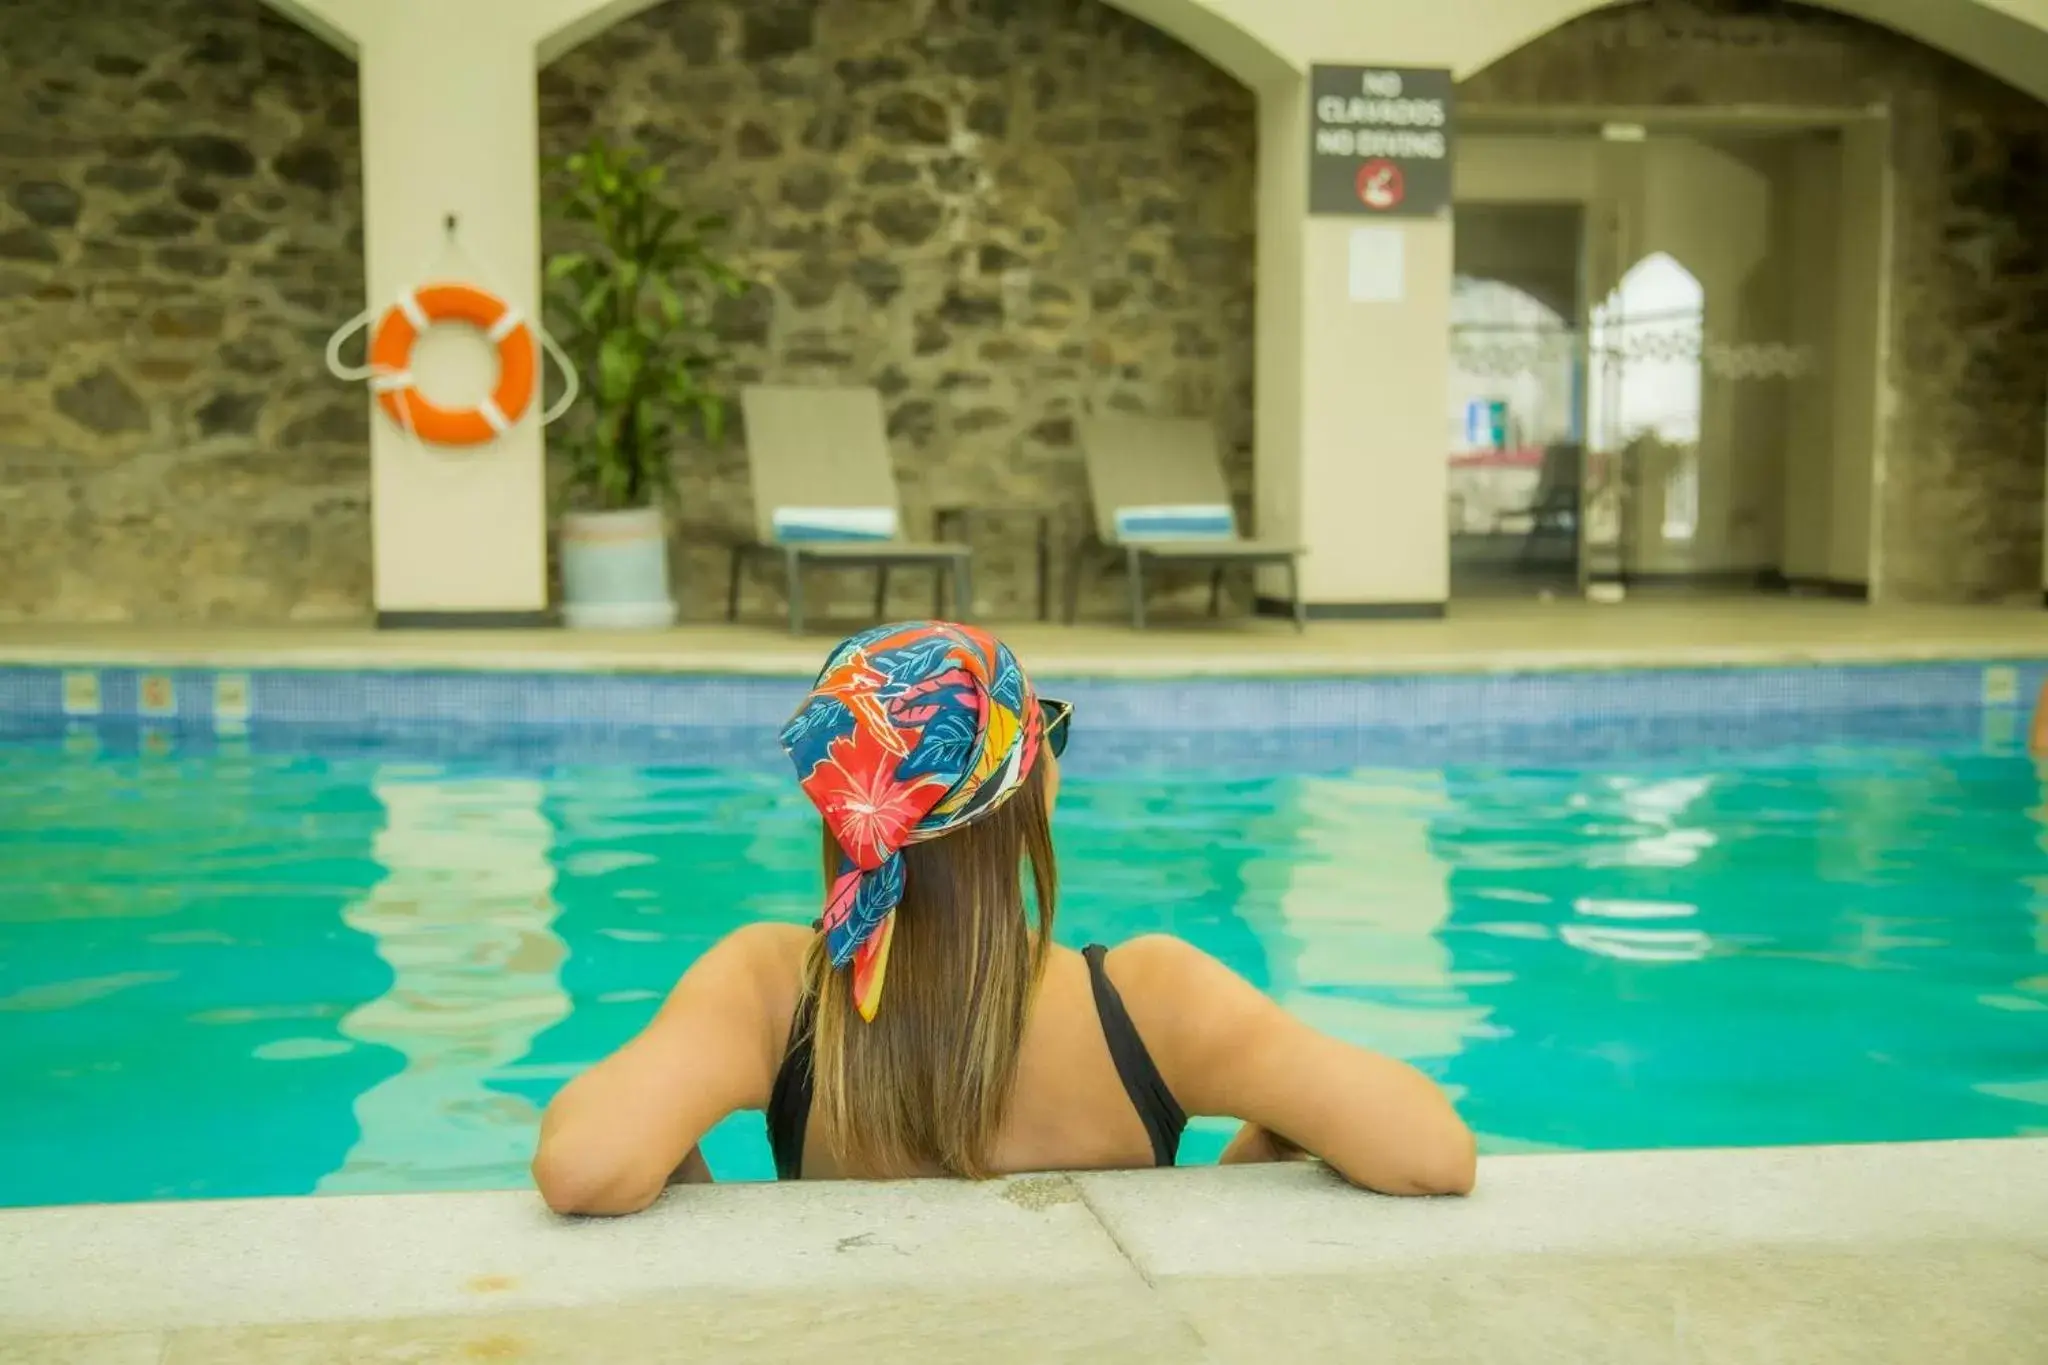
{"points": [[1255, 1146], [694, 1170]]}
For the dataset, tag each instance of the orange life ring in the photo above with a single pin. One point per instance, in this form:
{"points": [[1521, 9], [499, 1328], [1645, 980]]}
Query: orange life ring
{"points": [[391, 364]]}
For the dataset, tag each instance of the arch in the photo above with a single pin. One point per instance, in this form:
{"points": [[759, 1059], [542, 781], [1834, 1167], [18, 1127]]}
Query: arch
{"points": [[865, 280], [1510, 344], [1267, 42], [1230, 42], [2007, 38], [324, 19], [1659, 309], [1648, 377]]}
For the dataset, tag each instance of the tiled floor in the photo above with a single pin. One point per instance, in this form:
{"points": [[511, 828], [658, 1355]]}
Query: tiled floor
{"points": [[1488, 636]]}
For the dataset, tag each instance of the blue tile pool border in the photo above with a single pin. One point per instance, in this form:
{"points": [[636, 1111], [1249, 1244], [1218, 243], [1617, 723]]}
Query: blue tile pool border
{"points": [[1262, 724], [371, 698]]}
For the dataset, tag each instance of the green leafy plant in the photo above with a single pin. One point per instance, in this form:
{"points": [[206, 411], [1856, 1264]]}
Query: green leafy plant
{"points": [[633, 311]]}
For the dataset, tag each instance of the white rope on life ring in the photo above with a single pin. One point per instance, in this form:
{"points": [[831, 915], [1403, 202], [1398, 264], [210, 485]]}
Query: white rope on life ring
{"points": [[391, 378]]}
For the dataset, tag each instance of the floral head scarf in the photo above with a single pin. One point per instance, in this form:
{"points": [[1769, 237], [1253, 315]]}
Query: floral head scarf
{"points": [[910, 732]]}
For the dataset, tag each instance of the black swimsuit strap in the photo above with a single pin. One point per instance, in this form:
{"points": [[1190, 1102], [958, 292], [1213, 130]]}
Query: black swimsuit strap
{"points": [[789, 1103], [1162, 1115]]}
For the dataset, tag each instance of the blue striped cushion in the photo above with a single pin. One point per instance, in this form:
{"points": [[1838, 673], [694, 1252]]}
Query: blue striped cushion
{"points": [[795, 525], [1182, 521]]}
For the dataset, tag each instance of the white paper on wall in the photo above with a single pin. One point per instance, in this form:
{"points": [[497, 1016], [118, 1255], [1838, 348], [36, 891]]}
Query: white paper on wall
{"points": [[1379, 265]]}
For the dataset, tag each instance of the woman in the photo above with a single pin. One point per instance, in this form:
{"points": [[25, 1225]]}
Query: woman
{"points": [[992, 1049]]}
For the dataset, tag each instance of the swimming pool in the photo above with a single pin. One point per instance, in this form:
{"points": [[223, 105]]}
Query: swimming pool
{"points": [[289, 934]]}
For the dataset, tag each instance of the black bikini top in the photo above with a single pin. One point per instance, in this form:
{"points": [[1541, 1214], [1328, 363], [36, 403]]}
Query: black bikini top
{"points": [[789, 1104]]}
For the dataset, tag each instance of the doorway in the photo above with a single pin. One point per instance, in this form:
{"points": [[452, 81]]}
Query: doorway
{"points": [[1666, 344], [1517, 398]]}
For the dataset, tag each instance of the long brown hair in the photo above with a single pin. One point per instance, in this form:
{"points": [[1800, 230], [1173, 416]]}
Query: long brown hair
{"points": [[926, 1084]]}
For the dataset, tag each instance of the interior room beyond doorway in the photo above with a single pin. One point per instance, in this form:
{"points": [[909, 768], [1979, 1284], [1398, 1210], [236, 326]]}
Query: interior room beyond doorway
{"points": [[1666, 343]]}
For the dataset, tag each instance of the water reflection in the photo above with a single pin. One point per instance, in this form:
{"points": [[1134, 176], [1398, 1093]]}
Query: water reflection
{"points": [[1595, 931], [1355, 949], [463, 915], [656, 865], [1789, 951], [173, 969], [2027, 999], [2038, 883]]}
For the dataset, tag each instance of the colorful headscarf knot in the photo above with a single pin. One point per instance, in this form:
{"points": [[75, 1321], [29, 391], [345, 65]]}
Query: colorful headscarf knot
{"points": [[911, 731]]}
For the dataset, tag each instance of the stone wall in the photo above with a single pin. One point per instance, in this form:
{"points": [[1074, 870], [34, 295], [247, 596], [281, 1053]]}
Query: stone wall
{"points": [[180, 229], [1002, 213], [1960, 508]]}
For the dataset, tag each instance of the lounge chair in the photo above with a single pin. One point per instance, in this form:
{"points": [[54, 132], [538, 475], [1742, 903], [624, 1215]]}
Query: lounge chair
{"points": [[1160, 499], [825, 494], [1553, 511]]}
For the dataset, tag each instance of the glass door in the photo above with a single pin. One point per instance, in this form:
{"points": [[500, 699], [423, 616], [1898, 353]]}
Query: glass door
{"points": [[1693, 371], [1516, 420]]}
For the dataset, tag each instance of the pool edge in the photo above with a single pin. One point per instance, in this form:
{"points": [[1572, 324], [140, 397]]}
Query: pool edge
{"points": [[1247, 1263], [1240, 660]]}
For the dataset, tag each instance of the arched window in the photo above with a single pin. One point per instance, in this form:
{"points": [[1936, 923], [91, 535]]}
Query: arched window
{"points": [[1513, 398], [1508, 347], [1647, 342]]}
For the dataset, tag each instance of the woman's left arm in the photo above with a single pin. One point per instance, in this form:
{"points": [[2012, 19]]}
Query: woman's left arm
{"points": [[616, 1135]]}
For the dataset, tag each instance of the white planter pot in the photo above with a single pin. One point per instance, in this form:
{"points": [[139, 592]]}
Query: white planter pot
{"points": [[615, 571]]}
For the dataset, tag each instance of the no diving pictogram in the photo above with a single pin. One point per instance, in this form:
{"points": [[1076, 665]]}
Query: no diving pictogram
{"points": [[1381, 186]]}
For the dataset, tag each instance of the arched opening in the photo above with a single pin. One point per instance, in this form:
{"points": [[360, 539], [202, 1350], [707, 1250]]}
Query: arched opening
{"points": [[322, 18], [1875, 382], [181, 224], [1657, 313], [1991, 35], [1515, 420], [1001, 215], [1205, 27], [1644, 391]]}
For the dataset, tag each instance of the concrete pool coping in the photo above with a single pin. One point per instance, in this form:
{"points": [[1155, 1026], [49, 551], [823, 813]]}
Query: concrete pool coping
{"points": [[1477, 638], [1881, 1253]]}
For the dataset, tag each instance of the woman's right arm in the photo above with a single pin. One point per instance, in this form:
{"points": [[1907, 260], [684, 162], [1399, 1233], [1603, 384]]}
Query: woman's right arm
{"points": [[1227, 1049], [621, 1132]]}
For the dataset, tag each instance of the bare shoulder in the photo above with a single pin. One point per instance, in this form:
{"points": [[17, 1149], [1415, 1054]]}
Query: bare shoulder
{"points": [[770, 943], [1160, 964], [1226, 1048], [1184, 1002], [770, 955], [755, 971]]}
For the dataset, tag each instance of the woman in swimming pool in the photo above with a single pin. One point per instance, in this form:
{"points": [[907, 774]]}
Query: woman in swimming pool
{"points": [[992, 1050]]}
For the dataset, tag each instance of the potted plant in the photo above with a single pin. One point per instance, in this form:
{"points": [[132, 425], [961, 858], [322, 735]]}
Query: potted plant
{"points": [[632, 310]]}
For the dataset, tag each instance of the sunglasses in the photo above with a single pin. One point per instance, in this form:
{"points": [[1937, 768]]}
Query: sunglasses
{"points": [[1058, 719]]}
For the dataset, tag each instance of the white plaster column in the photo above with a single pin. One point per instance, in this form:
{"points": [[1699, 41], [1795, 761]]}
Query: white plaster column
{"points": [[1351, 426], [450, 127]]}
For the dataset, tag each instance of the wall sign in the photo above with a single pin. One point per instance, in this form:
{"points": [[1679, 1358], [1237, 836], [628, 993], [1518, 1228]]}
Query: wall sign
{"points": [[1379, 141]]}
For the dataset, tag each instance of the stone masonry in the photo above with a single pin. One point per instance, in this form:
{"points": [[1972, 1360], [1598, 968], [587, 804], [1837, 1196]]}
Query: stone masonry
{"points": [[1959, 511], [180, 229], [1002, 213]]}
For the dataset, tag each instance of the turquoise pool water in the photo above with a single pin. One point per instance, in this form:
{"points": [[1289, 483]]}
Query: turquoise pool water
{"points": [[255, 969]]}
